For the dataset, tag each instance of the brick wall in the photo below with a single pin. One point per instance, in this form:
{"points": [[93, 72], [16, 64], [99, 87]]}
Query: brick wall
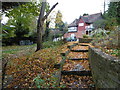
{"points": [[105, 69]]}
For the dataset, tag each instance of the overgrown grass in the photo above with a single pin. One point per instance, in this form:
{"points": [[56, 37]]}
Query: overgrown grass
{"points": [[10, 52], [86, 36], [15, 49]]}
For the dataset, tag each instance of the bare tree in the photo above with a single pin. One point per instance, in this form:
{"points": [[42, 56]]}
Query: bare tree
{"points": [[40, 23]]}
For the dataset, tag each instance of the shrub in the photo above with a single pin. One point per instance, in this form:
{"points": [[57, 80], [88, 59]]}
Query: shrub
{"points": [[50, 44], [105, 40], [85, 36], [99, 33]]}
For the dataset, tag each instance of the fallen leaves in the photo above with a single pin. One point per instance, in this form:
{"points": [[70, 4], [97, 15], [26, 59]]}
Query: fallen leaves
{"points": [[37, 70], [25, 69], [75, 81], [71, 65], [78, 55], [71, 43], [78, 47]]}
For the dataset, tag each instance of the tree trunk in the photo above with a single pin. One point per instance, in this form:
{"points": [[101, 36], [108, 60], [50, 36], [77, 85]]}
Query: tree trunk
{"points": [[40, 23], [47, 31], [46, 34], [40, 26], [39, 37]]}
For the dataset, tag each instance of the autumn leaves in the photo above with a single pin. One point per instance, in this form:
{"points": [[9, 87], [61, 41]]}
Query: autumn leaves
{"points": [[37, 70], [75, 63]]}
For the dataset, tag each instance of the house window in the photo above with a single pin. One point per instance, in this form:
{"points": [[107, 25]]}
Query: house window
{"points": [[72, 35], [81, 24], [86, 27], [72, 29], [87, 32], [91, 26]]}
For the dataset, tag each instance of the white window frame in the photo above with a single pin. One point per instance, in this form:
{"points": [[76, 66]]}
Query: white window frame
{"points": [[81, 24], [72, 29]]}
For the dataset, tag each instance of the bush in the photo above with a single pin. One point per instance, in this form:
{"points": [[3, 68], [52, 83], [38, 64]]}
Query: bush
{"points": [[85, 36], [50, 44], [109, 41], [100, 23], [99, 33]]}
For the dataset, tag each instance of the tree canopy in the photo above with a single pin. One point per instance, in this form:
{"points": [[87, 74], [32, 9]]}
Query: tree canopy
{"points": [[59, 24], [111, 17], [23, 18], [113, 12], [85, 14], [9, 5]]}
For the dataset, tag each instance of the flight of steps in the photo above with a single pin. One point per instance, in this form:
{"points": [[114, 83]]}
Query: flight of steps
{"points": [[75, 71]]}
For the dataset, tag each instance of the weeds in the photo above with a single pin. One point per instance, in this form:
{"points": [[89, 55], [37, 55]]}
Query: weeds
{"points": [[108, 42]]}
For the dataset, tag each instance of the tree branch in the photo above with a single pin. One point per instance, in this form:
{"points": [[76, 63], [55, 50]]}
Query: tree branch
{"points": [[45, 17]]}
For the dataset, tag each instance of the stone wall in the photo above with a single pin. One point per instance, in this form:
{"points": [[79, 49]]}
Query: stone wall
{"points": [[105, 69]]}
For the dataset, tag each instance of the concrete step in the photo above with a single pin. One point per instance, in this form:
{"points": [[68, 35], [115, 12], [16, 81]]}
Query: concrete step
{"points": [[79, 73], [78, 59], [79, 50]]}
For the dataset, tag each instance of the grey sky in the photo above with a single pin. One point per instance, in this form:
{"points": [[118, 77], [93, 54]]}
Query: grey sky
{"points": [[72, 9]]}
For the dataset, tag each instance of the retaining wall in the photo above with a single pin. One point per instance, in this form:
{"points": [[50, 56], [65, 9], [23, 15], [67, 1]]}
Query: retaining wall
{"points": [[105, 69]]}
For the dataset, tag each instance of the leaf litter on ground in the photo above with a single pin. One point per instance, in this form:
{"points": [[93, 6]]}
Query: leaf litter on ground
{"points": [[25, 69]]}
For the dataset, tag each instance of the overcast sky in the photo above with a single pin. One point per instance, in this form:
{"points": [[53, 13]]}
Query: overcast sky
{"points": [[72, 9]]}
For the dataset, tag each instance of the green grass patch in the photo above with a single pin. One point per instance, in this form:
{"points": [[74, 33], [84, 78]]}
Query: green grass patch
{"points": [[27, 49], [15, 49]]}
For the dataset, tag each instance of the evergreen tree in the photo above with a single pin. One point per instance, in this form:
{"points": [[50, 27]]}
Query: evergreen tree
{"points": [[113, 12]]}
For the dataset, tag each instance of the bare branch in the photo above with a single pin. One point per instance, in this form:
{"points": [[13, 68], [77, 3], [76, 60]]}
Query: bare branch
{"points": [[45, 17]]}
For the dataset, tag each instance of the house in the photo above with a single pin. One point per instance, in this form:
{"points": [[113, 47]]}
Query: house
{"points": [[82, 26], [72, 29]]}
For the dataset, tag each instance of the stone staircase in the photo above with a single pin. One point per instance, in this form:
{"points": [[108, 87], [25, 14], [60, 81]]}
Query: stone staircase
{"points": [[75, 72]]}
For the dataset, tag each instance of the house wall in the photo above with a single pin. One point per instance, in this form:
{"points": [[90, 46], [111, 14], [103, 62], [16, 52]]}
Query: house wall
{"points": [[81, 29]]}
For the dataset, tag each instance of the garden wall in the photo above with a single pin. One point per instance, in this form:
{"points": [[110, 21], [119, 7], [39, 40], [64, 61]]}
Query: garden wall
{"points": [[105, 69]]}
